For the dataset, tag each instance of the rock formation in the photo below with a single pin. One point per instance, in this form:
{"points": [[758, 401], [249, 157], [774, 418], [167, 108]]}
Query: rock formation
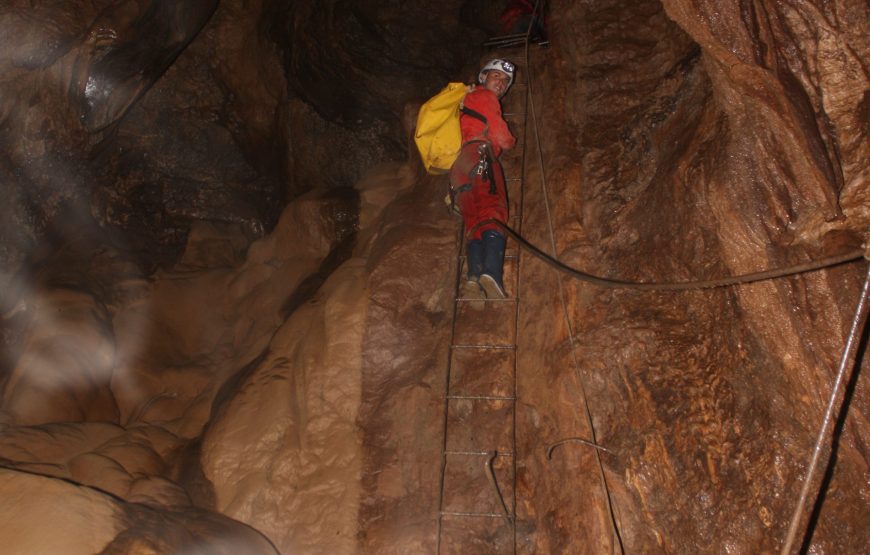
{"points": [[227, 284]]}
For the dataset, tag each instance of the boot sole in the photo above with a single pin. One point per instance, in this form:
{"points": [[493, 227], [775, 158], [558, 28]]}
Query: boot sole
{"points": [[492, 288], [473, 293]]}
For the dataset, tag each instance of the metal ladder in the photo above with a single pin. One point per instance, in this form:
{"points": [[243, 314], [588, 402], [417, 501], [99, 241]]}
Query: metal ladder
{"points": [[477, 498]]}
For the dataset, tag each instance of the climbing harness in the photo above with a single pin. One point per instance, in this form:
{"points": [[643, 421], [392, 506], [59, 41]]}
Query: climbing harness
{"points": [[481, 168], [484, 167]]}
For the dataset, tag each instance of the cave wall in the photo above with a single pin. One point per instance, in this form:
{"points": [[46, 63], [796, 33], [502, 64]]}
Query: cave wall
{"points": [[146, 116], [182, 143], [205, 329], [711, 142]]}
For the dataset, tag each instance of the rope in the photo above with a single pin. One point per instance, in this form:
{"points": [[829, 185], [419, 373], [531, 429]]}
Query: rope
{"points": [[575, 440], [848, 350], [673, 286], [538, 252], [490, 475]]}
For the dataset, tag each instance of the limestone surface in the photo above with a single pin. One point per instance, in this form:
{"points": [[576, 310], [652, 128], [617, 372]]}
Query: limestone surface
{"points": [[228, 289]]}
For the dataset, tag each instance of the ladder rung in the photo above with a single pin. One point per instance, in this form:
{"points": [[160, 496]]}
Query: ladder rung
{"points": [[508, 36], [477, 453], [507, 256], [505, 44], [497, 347], [482, 515], [482, 397], [472, 455]]}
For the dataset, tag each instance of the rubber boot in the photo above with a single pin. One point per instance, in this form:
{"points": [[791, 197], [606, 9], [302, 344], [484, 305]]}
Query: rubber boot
{"points": [[471, 289], [474, 257], [493, 262]]}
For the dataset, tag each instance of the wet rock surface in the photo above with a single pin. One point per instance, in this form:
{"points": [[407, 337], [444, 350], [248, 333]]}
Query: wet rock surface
{"points": [[228, 287], [691, 164]]}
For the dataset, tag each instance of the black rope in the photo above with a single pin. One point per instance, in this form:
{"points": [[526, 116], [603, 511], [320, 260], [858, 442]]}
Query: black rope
{"points": [[672, 286]]}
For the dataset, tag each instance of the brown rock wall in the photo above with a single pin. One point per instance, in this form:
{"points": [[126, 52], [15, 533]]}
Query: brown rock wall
{"points": [[166, 354], [295, 383], [132, 464], [65, 363], [284, 452], [411, 265], [682, 166], [84, 520], [197, 326]]}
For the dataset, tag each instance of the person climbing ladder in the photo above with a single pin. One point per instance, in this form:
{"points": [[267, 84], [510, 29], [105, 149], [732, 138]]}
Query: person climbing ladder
{"points": [[477, 180]]}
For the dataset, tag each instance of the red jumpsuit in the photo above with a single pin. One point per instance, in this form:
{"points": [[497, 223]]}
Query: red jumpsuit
{"points": [[474, 194], [514, 11]]}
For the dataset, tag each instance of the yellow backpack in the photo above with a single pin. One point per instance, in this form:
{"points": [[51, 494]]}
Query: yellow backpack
{"points": [[438, 136]]}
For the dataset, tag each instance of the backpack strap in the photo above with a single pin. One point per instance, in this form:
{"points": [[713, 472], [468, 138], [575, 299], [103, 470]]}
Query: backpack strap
{"points": [[473, 113]]}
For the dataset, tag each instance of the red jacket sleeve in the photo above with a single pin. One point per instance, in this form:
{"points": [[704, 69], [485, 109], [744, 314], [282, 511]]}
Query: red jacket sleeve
{"points": [[496, 130], [499, 133]]}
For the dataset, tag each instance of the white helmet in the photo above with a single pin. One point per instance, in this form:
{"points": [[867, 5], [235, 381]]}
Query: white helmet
{"points": [[499, 64]]}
